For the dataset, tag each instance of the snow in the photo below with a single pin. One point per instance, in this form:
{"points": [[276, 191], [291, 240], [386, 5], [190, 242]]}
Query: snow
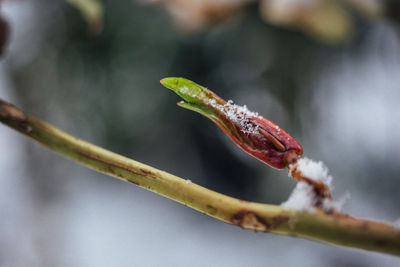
{"points": [[302, 198], [314, 170], [238, 114], [188, 181], [192, 93], [337, 204], [184, 90]]}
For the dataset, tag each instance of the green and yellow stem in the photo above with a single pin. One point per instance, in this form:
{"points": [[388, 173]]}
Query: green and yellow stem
{"points": [[336, 229]]}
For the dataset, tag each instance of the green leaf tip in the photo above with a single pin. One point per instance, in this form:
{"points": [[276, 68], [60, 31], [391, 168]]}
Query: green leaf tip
{"points": [[188, 90], [191, 92]]}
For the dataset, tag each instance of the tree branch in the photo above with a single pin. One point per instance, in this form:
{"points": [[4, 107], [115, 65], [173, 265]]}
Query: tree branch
{"points": [[336, 229]]}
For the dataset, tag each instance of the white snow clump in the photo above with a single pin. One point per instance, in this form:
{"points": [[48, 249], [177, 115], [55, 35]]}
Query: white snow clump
{"points": [[314, 170], [303, 196]]}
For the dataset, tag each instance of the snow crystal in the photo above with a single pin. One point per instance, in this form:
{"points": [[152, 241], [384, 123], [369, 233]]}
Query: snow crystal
{"points": [[314, 170], [192, 93], [237, 114], [184, 90], [213, 102], [302, 197], [188, 181]]}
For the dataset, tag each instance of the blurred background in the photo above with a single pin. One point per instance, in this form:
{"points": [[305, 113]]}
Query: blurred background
{"points": [[328, 72]]}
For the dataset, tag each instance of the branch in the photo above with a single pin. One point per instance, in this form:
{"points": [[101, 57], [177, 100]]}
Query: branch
{"points": [[336, 229]]}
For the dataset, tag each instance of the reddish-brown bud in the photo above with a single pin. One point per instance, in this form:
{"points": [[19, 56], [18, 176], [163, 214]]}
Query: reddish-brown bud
{"points": [[256, 135]]}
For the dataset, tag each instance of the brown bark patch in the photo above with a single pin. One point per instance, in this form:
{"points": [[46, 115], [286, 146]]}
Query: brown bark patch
{"points": [[250, 220], [147, 172], [14, 117]]}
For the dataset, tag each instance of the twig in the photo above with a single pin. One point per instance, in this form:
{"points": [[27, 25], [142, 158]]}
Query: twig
{"points": [[336, 229]]}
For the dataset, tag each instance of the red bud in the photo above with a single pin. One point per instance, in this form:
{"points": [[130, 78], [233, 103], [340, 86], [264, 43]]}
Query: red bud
{"points": [[256, 135]]}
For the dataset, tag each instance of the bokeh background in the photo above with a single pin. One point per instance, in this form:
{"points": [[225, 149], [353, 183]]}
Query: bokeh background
{"points": [[338, 94]]}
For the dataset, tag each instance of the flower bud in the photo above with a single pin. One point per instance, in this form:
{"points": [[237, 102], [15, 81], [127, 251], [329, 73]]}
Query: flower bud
{"points": [[255, 134]]}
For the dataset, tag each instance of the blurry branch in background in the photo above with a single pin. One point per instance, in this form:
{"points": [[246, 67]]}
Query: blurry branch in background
{"points": [[195, 15], [92, 12], [329, 21], [4, 32], [334, 228]]}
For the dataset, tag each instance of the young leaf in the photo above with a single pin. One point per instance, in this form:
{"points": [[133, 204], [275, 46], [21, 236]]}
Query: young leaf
{"points": [[256, 135]]}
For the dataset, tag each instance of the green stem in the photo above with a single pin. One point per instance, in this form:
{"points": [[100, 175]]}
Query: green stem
{"points": [[337, 229]]}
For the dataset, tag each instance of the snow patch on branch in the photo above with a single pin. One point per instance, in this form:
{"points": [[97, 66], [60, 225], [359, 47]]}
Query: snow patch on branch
{"points": [[304, 196], [337, 205], [314, 170]]}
